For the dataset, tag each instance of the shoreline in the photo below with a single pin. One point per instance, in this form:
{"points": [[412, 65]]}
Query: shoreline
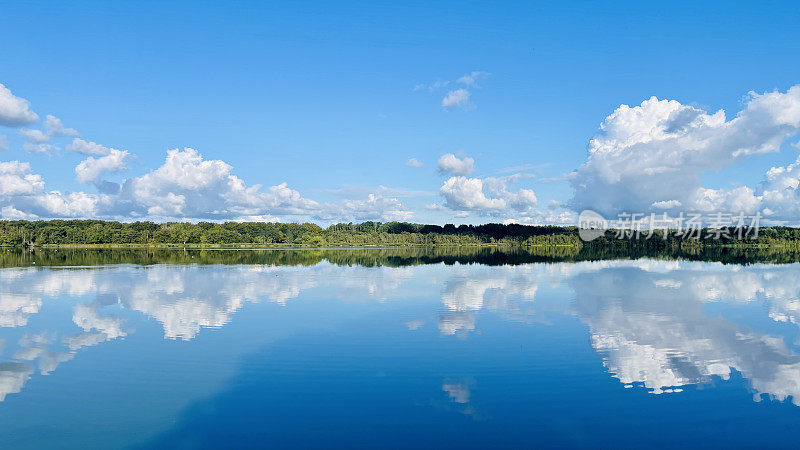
{"points": [[336, 246], [333, 246]]}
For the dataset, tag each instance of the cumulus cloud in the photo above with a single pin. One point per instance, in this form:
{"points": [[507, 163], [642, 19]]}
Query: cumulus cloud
{"points": [[23, 195], [54, 127], [457, 98], [777, 195], [189, 186], [15, 111], [88, 148], [90, 169], [185, 186], [413, 162], [376, 207], [467, 193], [651, 156], [453, 165], [34, 136], [16, 179], [44, 149], [488, 196]]}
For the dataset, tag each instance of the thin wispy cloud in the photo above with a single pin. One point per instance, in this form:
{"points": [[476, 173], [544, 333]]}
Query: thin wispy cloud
{"points": [[414, 162], [473, 78], [457, 97]]}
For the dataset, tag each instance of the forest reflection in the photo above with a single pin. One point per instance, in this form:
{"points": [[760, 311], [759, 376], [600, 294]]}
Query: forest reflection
{"points": [[390, 257]]}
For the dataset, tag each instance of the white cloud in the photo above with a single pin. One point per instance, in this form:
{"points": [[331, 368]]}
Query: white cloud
{"points": [[451, 164], [433, 207], [16, 179], [473, 78], [458, 98], [22, 194], [54, 127], [414, 162], [778, 193], [431, 87], [652, 155], [44, 149], [376, 207], [538, 218], [88, 148], [185, 186], [188, 186], [4, 144], [90, 169], [488, 196], [35, 136], [666, 204], [14, 111]]}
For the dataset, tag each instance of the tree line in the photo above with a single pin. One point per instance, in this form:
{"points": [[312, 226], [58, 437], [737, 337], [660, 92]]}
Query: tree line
{"points": [[207, 234], [96, 232]]}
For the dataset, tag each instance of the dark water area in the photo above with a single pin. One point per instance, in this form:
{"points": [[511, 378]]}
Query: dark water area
{"points": [[397, 348]]}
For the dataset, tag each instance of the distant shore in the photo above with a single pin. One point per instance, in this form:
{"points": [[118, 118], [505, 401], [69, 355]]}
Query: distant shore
{"points": [[97, 234]]}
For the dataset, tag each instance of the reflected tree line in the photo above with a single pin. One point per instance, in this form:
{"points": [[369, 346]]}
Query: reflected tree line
{"points": [[391, 257]]}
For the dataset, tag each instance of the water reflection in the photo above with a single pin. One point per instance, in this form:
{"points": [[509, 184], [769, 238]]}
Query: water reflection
{"points": [[653, 323], [651, 327]]}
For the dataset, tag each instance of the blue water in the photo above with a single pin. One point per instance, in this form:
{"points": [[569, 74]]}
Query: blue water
{"points": [[592, 354]]}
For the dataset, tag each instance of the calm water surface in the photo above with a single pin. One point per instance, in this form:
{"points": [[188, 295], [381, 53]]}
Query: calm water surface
{"points": [[386, 352]]}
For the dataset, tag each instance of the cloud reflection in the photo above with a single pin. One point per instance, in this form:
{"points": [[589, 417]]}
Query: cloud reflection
{"points": [[647, 319]]}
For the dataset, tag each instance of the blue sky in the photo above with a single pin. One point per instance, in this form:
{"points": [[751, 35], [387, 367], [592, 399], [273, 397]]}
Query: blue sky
{"points": [[333, 99]]}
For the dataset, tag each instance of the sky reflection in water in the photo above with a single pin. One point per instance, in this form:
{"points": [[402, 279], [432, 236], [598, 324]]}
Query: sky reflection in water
{"points": [[617, 352]]}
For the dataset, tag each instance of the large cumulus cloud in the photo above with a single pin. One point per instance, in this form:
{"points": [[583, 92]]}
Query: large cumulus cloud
{"points": [[651, 156], [490, 196]]}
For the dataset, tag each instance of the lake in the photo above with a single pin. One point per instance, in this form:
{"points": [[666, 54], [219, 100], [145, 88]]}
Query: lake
{"points": [[395, 349]]}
